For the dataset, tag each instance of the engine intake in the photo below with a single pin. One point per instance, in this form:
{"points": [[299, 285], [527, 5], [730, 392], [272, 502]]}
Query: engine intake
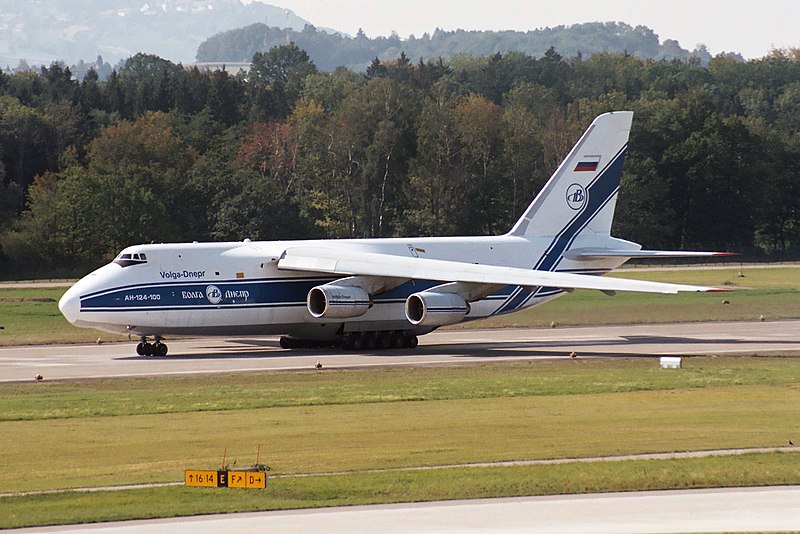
{"points": [[335, 301], [432, 308]]}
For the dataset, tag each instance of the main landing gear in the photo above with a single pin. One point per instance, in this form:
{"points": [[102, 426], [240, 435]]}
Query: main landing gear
{"points": [[357, 341], [293, 343], [379, 341], [157, 348]]}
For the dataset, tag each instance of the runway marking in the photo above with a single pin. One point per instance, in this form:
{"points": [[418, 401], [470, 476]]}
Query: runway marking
{"points": [[504, 463]]}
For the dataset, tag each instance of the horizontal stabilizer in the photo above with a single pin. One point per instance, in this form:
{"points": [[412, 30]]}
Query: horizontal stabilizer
{"points": [[349, 262]]}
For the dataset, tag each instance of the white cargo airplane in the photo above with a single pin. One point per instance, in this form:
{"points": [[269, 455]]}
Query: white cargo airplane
{"points": [[368, 293]]}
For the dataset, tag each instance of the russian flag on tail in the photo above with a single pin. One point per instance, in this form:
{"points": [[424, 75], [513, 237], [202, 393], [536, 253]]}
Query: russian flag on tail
{"points": [[587, 163]]}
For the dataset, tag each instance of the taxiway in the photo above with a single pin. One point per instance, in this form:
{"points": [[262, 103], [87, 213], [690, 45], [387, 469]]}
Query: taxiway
{"points": [[713, 510], [446, 347]]}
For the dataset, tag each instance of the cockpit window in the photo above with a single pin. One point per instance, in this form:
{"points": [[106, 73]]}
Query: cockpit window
{"points": [[126, 260]]}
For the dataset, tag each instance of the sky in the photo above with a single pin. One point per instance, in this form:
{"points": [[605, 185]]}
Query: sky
{"points": [[752, 28]]}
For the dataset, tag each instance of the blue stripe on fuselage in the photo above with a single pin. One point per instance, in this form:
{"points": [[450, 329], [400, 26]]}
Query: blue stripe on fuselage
{"points": [[261, 293], [180, 295]]}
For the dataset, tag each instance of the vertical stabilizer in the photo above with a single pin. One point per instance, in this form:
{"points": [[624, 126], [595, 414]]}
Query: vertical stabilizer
{"points": [[581, 195]]}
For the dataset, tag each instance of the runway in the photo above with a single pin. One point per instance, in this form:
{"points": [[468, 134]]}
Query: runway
{"points": [[714, 510], [446, 347]]}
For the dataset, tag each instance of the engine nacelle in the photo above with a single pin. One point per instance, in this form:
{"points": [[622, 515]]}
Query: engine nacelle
{"points": [[432, 308], [331, 301]]}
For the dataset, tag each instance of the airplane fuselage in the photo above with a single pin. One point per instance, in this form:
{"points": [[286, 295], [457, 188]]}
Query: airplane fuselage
{"points": [[236, 288]]}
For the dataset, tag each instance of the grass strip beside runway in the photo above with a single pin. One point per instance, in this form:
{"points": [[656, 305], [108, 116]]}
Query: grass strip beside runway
{"points": [[74, 399], [353, 437], [379, 488]]}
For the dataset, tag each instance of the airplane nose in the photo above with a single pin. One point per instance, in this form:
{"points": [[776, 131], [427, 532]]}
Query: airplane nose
{"points": [[70, 302], [70, 305]]}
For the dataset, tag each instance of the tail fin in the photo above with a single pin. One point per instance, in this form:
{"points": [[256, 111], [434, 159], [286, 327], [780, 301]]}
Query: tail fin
{"points": [[581, 195]]}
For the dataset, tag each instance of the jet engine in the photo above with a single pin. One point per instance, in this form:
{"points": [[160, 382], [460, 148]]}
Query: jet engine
{"points": [[332, 301], [434, 308]]}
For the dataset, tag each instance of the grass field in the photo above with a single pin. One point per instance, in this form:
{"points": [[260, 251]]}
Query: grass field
{"points": [[773, 293], [111, 432], [31, 316]]}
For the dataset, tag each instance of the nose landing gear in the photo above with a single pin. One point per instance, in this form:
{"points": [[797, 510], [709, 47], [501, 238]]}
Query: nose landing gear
{"points": [[157, 348]]}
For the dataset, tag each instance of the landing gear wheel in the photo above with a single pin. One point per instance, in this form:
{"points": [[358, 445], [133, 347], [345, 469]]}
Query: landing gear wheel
{"points": [[353, 342], [148, 349], [140, 349], [411, 341], [287, 342], [160, 349]]}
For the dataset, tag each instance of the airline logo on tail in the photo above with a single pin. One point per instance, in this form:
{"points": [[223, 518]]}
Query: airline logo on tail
{"points": [[576, 196]]}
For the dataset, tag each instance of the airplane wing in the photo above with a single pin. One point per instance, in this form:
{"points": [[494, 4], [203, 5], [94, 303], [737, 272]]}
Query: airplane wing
{"points": [[592, 253], [351, 262]]}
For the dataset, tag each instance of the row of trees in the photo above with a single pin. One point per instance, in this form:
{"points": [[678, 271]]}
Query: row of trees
{"points": [[163, 153], [328, 50]]}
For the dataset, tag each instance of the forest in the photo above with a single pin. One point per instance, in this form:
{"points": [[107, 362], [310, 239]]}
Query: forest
{"points": [[159, 153]]}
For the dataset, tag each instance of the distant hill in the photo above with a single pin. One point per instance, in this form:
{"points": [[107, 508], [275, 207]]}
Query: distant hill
{"points": [[41, 31], [329, 51]]}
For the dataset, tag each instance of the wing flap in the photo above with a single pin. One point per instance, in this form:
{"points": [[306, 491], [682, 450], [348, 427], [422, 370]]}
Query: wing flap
{"points": [[351, 262]]}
